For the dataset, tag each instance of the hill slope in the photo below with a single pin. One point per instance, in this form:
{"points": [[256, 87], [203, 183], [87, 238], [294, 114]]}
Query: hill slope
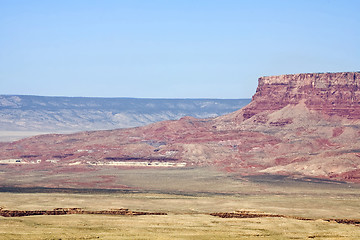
{"points": [[301, 125]]}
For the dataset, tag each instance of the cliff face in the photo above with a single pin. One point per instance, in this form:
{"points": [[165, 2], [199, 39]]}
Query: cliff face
{"points": [[330, 93]]}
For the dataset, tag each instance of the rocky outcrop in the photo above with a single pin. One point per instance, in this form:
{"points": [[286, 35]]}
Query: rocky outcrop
{"points": [[331, 93], [249, 214], [66, 211]]}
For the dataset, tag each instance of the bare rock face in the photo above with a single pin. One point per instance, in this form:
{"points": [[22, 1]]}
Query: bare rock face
{"points": [[296, 125], [330, 93]]}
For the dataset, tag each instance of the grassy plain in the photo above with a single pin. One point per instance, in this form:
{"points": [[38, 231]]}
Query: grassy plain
{"points": [[173, 226], [188, 196]]}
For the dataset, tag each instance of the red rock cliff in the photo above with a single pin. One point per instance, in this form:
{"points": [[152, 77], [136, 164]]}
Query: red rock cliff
{"points": [[331, 93]]}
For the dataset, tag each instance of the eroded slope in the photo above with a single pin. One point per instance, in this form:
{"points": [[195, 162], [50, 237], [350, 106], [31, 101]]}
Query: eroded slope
{"points": [[297, 125]]}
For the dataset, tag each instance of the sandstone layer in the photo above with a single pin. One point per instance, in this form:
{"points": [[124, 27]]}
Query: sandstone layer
{"points": [[330, 93]]}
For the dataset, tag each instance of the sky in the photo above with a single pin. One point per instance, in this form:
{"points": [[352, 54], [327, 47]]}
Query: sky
{"points": [[170, 48]]}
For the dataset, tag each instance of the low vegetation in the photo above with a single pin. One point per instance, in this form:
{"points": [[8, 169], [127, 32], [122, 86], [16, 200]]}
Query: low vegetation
{"points": [[173, 226], [276, 208]]}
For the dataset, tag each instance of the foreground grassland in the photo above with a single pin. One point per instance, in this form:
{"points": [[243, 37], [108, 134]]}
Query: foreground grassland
{"points": [[187, 217], [193, 226], [188, 197]]}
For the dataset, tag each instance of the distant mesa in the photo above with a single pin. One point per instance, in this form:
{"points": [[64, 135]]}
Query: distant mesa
{"points": [[22, 115]]}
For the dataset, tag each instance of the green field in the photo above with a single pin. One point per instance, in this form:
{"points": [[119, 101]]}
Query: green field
{"points": [[188, 197]]}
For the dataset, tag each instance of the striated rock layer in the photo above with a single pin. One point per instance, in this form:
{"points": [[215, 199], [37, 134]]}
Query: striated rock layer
{"points": [[301, 125], [330, 93]]}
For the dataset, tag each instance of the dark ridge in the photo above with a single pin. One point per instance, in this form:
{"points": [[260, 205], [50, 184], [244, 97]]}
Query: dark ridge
{"points": [[66, 211], [248, 214], [29, 156], [10, 189]]}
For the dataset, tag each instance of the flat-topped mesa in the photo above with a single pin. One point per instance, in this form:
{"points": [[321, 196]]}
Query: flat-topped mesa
{"points": [[315, 80], [331, 93]]}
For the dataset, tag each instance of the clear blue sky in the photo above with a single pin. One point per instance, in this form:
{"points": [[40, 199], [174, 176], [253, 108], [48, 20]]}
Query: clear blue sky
{"points": [[170, 48]]}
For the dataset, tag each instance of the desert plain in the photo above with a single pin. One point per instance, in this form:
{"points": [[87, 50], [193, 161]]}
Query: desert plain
{"points": [[308, 207]]}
